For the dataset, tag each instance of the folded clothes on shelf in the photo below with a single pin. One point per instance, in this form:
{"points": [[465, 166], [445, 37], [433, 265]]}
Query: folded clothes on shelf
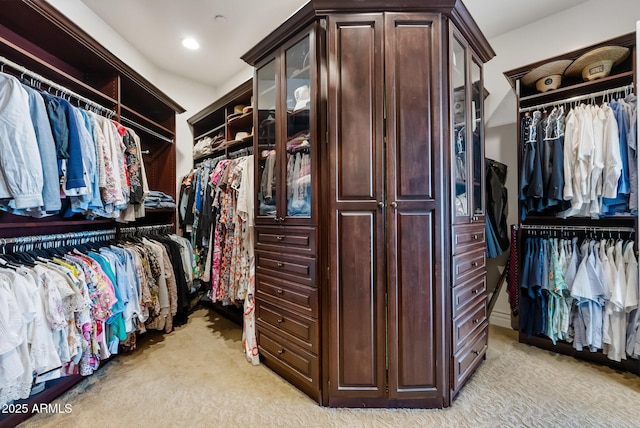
{"points": [[158, 199]]}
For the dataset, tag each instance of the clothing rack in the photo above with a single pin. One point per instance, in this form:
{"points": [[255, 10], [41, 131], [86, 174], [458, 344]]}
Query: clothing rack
{"points": [[155, 229], [24, 71], [576, 228], [52, 85], [214, 160], [626, 89], [240, 153], [27, 243], [585, 229], [145, 129]]}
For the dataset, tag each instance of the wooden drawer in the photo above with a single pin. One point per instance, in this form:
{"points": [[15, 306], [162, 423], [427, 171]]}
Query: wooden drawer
{"points": [[468, 265], [296, 328], [465, 325], [468, 294], [297, 366], [286, 266], [467, 237], [294, 296], [296, 240], [469, 358]]}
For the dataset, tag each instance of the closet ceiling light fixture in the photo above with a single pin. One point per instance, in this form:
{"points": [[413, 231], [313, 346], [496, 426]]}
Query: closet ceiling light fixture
{"points": [[190, 43]]}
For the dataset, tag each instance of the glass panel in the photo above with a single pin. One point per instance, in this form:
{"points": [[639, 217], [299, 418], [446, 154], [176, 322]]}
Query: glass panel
{"points": [[298, 130], [266, 104], [477, 99], [458, 81]]}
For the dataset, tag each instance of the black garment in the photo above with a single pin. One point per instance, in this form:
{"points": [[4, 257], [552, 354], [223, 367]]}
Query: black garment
{"points": [[496, 195], [531, 182], [173, 248], [187, 195], [207, 216]]}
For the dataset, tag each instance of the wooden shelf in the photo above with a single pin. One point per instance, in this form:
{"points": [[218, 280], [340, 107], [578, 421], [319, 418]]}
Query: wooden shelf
{"points": [[578, 88], [210, 132], [244, 121], [147, 121]]}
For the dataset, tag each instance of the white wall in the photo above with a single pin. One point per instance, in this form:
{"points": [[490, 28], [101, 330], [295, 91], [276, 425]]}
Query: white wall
{"points": [[581, 26], [190, 95]]}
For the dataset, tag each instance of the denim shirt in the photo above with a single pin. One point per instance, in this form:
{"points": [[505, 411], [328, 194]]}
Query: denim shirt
{"points": [[47, 149]]}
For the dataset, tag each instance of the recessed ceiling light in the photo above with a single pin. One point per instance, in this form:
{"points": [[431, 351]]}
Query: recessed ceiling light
{"points": [[220, 19], [190, 43]]}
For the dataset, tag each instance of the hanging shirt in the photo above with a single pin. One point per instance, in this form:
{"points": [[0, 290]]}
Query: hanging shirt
{"points": [[21, 180], [632, 142], [47, 151]]}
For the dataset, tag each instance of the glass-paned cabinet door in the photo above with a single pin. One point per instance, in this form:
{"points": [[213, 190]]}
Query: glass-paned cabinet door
{"points": [[298, 143], [460, 167], [266, 120], [477, 131]]}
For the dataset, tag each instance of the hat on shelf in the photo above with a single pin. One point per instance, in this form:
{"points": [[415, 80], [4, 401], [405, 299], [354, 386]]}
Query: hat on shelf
{"points": [[237, 111], [241, 135], [597, 63], [547, 76], [302, 97], [248, 108]]}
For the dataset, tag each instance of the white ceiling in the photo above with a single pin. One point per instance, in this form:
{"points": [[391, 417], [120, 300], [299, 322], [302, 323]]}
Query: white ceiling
{"points": [[157, 27]]}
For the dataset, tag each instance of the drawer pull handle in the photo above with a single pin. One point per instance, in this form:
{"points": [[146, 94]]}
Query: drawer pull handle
{"points": [[474, 264], [279, 291], [476, 321], [475, 237], [280, 264], [280, 237], [475, 291], [280, 351], [280, 320], [476, 352]]}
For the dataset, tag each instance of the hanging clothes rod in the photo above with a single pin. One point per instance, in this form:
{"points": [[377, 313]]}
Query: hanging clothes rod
{"points": [[577, 228], [155, 228], [147, 130], [625, 88], [86, 236], [51, 84]]}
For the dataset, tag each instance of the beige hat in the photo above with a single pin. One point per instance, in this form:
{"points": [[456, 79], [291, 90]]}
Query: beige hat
{"points": [[597, 63], [237, 111], [241, 135], [547, 76]]}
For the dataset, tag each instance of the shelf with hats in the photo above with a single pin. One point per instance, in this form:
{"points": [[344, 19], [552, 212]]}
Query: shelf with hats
{"points": [[225, 125], [610, 62]]}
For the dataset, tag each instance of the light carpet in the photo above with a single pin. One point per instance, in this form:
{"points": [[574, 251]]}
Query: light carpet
{"points": [[197, 376]]}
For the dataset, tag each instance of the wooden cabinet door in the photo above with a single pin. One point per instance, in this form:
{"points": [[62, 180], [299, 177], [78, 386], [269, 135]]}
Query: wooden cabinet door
{"points": [[356, 222], [415, 180]]}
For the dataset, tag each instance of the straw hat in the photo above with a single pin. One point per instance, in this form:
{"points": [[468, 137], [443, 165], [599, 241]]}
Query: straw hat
{"points": [[237, 111], [547, 76], [598, 62]]}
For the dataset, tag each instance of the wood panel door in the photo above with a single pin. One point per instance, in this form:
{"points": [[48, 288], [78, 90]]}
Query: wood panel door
{"points": [[357, 276], [414, 189]]}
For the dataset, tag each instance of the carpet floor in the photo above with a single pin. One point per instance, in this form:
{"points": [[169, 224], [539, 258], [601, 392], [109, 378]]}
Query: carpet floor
{"points": [[197, 376]]}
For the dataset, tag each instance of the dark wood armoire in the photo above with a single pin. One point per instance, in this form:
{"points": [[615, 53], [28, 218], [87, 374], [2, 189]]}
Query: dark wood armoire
{"points": [[370, 266]]}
